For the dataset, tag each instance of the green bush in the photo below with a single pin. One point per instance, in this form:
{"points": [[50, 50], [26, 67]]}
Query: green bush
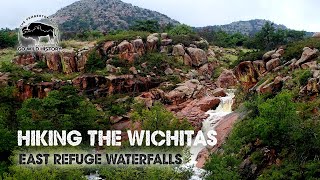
{"points": [[144, 173], [49, 173], [151, 26], [248, 56], [222, 167], [41, 64], [295, 49], [301, 77], [186, 40], [8, 38], [63, 109], [16, 72], [124, 35], [158, 118], [182, 30], [95, 62]]}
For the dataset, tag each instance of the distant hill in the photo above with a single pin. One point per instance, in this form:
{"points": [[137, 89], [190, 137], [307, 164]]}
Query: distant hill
{"points": [[104, 15], [244, 27]]}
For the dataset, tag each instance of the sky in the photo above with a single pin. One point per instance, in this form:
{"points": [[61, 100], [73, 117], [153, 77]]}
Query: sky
{"points": [[295, 14]]}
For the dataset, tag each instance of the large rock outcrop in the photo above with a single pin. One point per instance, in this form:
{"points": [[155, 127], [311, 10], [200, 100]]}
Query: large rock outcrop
{"points": [[198, 56], [260, 67], [27, 90], [195, 111], [152, 42], [272, 64], [307, 55], [227, 79], [68, 61], [25, 59], [100, 85], [126, 51], [187, 90], [53, 61], [246, 74], [316, 35]]}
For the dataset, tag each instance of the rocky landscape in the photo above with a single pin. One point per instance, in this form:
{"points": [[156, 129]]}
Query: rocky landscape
{"points": [[259, 90], [190, 99]]}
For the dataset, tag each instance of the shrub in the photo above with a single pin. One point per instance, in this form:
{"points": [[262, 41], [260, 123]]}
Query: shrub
{"points": [[248, 56], [144, 173], [158, 118], [8, 38], [222, 167], [147, 26], [124, 35], [15, 71], [49, 173], [94, 62], [301, 77], [63, 109], [186, 40], [295, 49], [41, 64], [181, 30]]}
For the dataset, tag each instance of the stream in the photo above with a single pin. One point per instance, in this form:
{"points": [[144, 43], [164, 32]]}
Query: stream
{"points": [[215, 116]]}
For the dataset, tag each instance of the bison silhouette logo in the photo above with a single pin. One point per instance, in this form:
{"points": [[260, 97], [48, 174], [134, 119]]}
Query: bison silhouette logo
{"points": [[38, 33], [38, 30]]}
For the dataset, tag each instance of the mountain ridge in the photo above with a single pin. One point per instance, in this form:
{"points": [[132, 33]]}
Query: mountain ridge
{"points": [[246, 27], [104, 15], [108, 15]]}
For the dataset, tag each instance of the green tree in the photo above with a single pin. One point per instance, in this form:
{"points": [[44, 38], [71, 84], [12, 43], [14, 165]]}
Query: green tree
{"points": [[264, 38], [158, 118], [63, 109], [94, 62], [8, 38], [147, 25], [181, 30]]}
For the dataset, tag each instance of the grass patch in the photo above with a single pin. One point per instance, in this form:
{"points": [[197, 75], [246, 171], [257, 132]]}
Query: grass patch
{"points": [[6, 55], [124, 35]]}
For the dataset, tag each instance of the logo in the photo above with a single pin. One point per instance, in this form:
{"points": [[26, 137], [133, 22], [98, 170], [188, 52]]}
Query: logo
{"points": [[38, 33]]}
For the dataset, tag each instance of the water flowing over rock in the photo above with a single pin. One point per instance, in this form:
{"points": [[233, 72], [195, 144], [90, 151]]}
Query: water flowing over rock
{"points": [[195, 111], [218, 121]]}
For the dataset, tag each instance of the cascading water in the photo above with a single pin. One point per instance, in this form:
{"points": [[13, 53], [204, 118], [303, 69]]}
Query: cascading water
{"points": [[215, 116]]}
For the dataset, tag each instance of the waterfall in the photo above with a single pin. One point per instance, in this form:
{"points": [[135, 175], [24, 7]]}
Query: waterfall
{"points": [[215, 116]]}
